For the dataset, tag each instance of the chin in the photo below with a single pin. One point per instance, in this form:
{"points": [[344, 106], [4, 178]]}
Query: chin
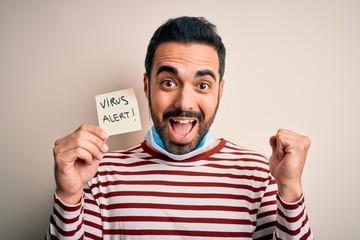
{"points": [[180, 148]]}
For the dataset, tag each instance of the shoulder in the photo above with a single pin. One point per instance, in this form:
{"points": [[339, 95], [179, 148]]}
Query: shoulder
{"points": [[115, 162], [235, 151], [136, 152]]}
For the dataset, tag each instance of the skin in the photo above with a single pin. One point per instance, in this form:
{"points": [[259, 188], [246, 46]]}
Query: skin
{"points": [[77, 157], [184, 77], [287, 161]]}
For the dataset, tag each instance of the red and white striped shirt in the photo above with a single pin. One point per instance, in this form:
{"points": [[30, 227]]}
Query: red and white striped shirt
{"points": [[138, 193]]}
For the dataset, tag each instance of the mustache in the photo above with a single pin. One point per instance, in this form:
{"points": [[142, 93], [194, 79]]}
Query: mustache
{"points": [[181, 113]]}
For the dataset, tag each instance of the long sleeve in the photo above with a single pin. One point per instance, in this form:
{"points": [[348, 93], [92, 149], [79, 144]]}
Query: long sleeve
{"points": [[292, 220], [66, 221], [266, 215], [93, 225], [81, 221], [279, 220], [227, 192]]}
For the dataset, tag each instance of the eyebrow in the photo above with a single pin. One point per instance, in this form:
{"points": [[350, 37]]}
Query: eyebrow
{"points": [[168, 69], [202, 73], [173, 70]]}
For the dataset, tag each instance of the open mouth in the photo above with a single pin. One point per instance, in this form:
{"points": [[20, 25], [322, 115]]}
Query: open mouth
{"points": [[182, 127]]}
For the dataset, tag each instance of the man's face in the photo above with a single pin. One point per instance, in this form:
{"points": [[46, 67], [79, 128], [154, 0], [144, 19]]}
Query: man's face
{"points": [[184, 93]]}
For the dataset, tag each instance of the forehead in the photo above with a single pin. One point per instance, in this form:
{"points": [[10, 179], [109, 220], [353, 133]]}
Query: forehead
{"points": [[186, 55]]}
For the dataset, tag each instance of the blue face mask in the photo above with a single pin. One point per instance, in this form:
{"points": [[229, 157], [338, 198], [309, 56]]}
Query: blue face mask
{"points": [[153, 138]]}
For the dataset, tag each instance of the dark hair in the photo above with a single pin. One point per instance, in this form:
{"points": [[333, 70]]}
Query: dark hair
{"points": [[186, 30]]}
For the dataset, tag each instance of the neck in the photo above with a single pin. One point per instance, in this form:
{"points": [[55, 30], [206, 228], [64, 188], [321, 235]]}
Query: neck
{"points": [[154, 141]]}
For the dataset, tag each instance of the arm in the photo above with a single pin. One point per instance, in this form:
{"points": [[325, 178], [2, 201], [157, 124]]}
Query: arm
{"points": [[289, 151], [77, 157], [76, 221], [287, 162], [266, 215], [66, 221], [292, 220], [277, 219]]}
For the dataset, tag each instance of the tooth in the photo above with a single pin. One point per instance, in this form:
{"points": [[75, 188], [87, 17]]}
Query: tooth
{"points": [[184, 121]]}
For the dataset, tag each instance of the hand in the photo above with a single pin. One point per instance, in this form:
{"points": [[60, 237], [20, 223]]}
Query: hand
{"points": [[287, 161], [77, 157]]}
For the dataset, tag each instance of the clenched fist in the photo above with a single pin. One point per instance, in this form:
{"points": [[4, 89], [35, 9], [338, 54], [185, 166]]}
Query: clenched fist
{"points": [[289, 151]]}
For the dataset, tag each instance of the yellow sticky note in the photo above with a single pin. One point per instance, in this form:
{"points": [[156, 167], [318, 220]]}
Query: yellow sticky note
{"points": [[118, 112]]}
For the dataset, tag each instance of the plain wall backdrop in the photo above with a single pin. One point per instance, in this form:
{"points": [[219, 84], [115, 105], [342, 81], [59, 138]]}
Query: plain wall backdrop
{"points": [[290, 64]]}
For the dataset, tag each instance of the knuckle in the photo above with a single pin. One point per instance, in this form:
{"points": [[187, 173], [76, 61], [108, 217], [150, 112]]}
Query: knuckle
{"points": [[57, 142], [307, 141], [99, 143], [82, 128], [78, 142], [55, 150], [304, 143], [58, 158], [78, 134], [78, 151]]}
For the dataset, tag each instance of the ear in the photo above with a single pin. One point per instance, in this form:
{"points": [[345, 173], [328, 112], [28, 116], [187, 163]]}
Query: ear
{"points": [[146, 85], [221, 88]]}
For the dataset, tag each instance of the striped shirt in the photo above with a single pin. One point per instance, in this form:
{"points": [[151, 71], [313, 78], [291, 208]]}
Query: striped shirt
{"points": [[224, 193]]}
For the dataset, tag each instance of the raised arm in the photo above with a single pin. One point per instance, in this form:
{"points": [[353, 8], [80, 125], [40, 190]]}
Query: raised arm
{"points": [[289, 151], [77, 157]]}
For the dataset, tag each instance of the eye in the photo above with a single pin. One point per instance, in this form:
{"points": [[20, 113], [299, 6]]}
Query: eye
{"points": [[203, 86], [168, 83]]}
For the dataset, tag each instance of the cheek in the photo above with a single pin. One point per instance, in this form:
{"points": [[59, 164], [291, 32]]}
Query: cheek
{"points": [[159, 104], [208, 107]]}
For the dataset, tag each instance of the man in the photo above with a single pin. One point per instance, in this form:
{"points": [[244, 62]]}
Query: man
{"points": [[181, 182]]}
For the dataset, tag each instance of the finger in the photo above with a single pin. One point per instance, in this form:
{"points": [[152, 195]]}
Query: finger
{"points": [[292, 141], [282, 136], [75, 154], [79, 143], [272, 142], [68, 142], [280, 148], [94, 130], [97, 131], [100, 143], [277, 147], [94, 134]]}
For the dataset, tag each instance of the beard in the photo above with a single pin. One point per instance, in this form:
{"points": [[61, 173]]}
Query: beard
{"points": [[161, 126]]}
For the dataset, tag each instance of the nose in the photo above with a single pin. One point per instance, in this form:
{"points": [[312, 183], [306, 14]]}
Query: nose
{"points": [[185, 99]]}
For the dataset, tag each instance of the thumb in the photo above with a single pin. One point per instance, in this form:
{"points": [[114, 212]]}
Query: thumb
{"points": [[272, 142], [277, 147]]}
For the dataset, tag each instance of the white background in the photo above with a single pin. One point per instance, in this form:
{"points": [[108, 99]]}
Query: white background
{"points": [[290, 64]]}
